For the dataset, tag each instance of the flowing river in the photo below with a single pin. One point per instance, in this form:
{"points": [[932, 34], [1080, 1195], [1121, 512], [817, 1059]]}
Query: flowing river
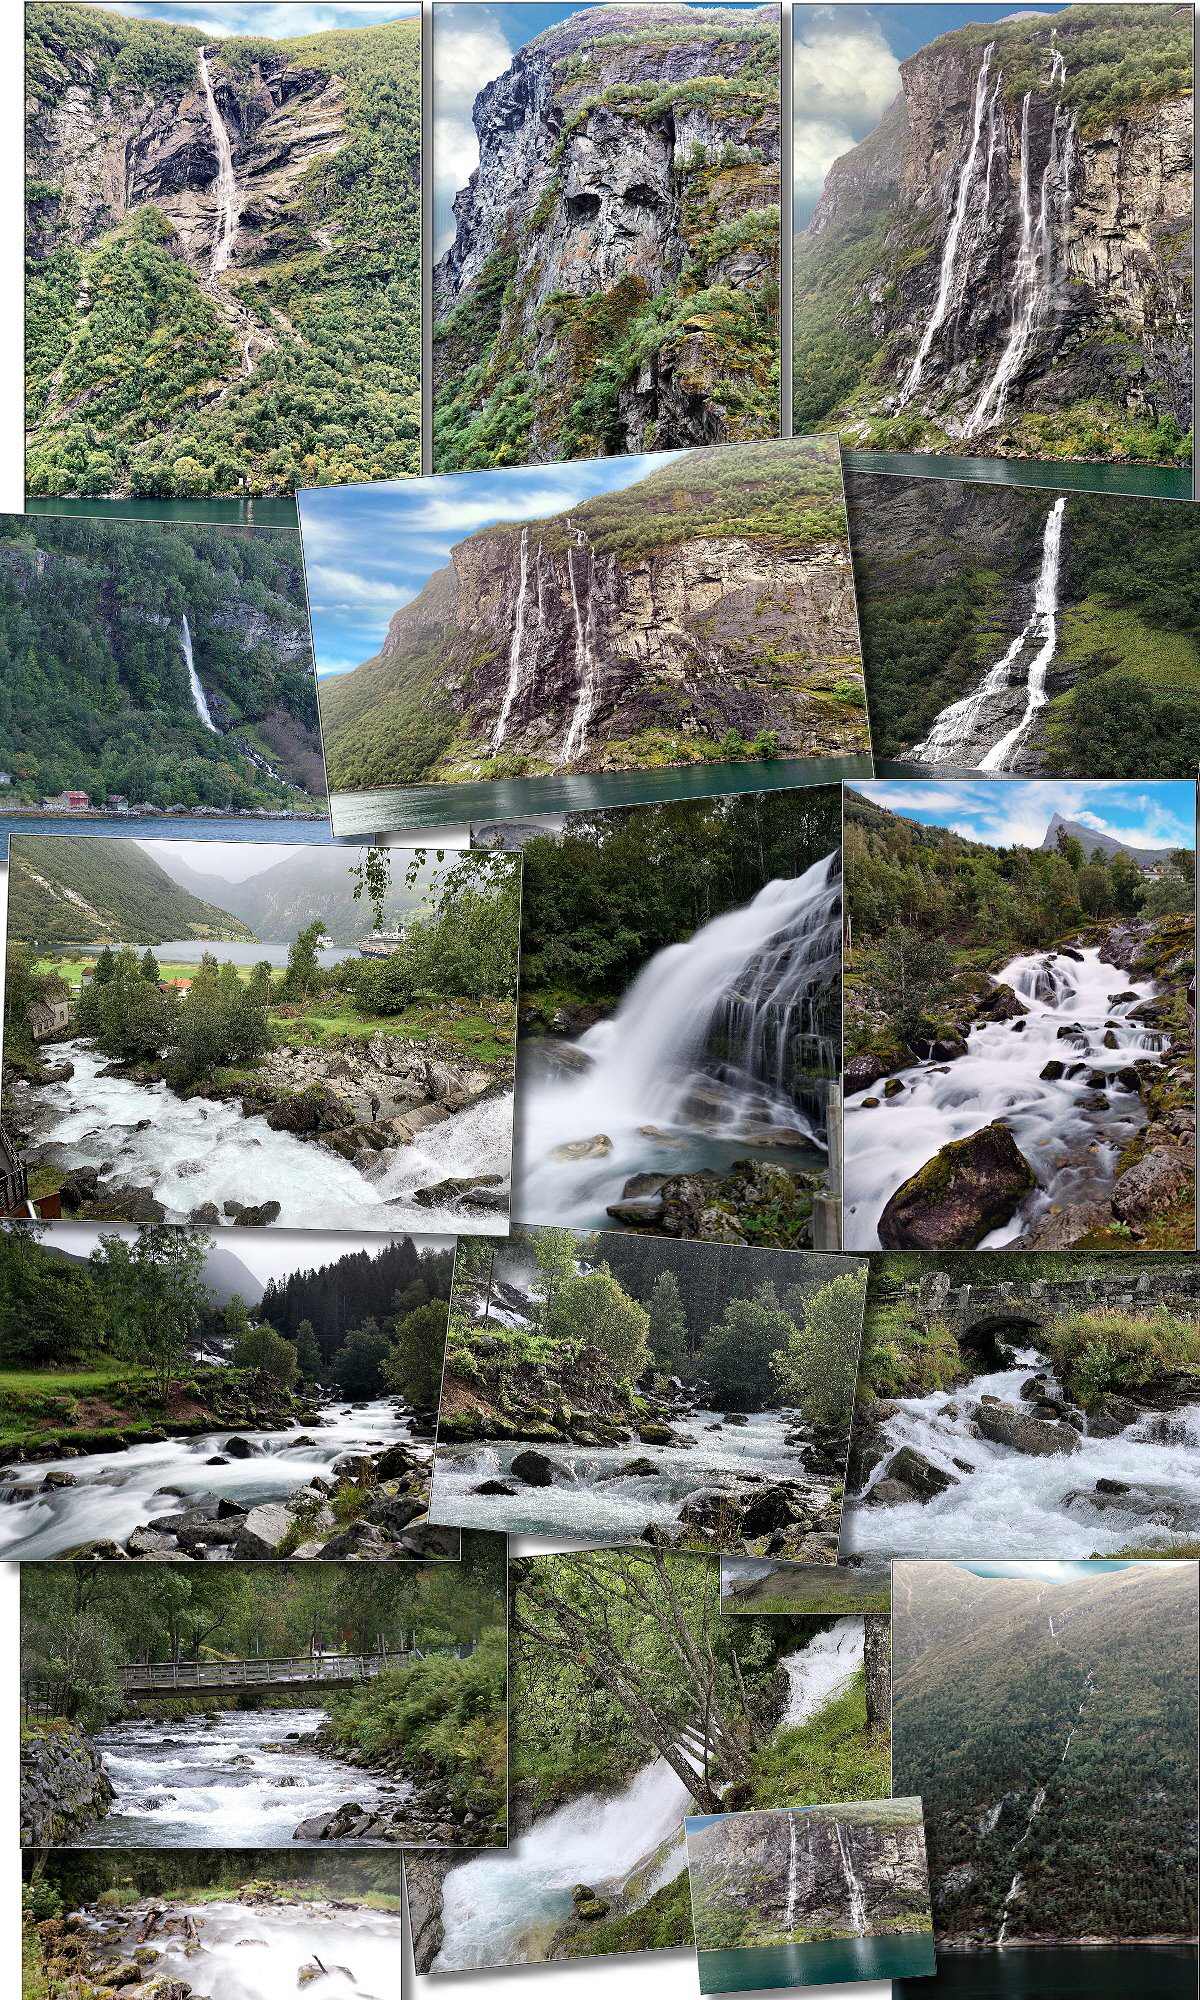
{"points": [[589, 1500], [117, 1491], [702, 1062], [258, 1951], [236, 1781], [1071, 1128], [192, 1151], [1010, 1503], [504, 1909]]}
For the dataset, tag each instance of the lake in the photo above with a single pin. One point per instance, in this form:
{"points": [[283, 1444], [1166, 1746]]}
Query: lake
{"points": [[1060, 1972], [826, 1962], [284, 832], [1149, 482], [279, 513], [189, 951], [396, 808]]}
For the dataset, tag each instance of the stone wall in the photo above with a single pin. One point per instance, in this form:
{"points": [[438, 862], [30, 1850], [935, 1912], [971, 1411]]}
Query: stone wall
{"points": [[64, 1785], [1126, 1288]]}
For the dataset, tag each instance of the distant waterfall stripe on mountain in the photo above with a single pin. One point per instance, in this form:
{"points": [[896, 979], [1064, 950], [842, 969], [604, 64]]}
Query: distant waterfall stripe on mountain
{"points": [[585, 652], [950, 281], [793, 1894], [225, 186], [198, 694], [966, 719], [1033, 294], [858, 1902], [515, 676]]}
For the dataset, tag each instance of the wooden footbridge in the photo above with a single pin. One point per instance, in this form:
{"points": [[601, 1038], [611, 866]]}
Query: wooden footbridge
{"points": [[164, 1680]]}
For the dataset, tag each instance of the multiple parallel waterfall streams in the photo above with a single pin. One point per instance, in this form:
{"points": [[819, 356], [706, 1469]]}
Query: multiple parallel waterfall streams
{"points": [[590, 1501], [241, 1780], [955, 265], [585, 651], [698, 1065], [1071, 1128], [258, 1951], [117, 1491], [504, 1909], [1034, 289], [516, 650], [225, 187], [192, 1151], [986, 729], [858, 1902], [198, 695], [1008, 1503]]}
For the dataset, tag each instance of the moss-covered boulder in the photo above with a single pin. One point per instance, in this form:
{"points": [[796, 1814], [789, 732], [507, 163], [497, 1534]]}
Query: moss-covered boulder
{"points": [[969, 1187]]}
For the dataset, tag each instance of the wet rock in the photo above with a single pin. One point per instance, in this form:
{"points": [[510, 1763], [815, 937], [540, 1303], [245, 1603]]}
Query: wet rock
{"points": [[533, 1468], [251, 1217], [469, 1191], [1159, 1180], [598, 1147], [1052, 1072], [656, 1434], [206, 1216], [261, 1532], [773, 1507], [1001, 1004], [639, 1185], [589, 1907], [923, 1479], [495, 1486], [1110, 1415], [968, 1188], [1004, 1424], [1063, 1229], [79, 1187], [241, 1447], [634, 1468]]}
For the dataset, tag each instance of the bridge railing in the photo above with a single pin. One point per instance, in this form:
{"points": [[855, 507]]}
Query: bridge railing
{"points": [[301, 1669]]}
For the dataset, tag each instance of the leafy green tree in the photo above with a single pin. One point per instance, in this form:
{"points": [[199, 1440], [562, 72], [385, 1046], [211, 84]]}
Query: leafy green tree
{"points": [[149, 967], [304, 975], [908, 975], [358, 1364], [105, 967], [268, 1353], [595, 1310], [556, 1253], [735, 1357], [159, 1297], [412, 1367], [668, 1328], [815, 1365]]}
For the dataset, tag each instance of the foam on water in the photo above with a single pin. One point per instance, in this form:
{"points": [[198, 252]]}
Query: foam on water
{"points": [[257, 1951]]}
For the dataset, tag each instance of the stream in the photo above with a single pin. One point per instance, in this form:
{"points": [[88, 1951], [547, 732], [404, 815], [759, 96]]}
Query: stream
{"points": [[588, 1503], [257, 1951], [1071, 1129], [1013, 1504], [118, 1491], [197, 1150], [503, 1909], [234, 1782], [702, 1062]]}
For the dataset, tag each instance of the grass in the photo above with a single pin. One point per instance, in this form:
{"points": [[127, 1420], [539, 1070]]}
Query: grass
{"points": [[835, 1756], [1164, 659], [1097, 1351], [812, 1594], [906, 1353], [661, 1923]]}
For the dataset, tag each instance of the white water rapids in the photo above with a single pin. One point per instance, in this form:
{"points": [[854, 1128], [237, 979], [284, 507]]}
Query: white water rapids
{"points": [[198, 695], [225, 187], [503, 1909], [587, 1503], [1011, 1504], [971, 732], [1071, 1142], [118, 1491], [196, 1150], [257, 1951], [233, 1782], [750, 981]]}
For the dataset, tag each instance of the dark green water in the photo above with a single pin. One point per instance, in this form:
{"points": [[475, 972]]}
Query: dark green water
{"points": [[397, 808], [1150, 482], [1060, 1972], [244, 513], [832, 1962], [284, 832]]}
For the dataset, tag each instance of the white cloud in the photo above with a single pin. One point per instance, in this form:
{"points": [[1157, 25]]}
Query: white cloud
{"points": [[279, 22], [818, 143], [469, 50], [844, 78], [349, 590]]}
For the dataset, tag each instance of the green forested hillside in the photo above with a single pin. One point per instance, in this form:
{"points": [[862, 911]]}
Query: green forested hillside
{"points": [[1049, 1727], [299, 364], [68, 889], [94, 691]]}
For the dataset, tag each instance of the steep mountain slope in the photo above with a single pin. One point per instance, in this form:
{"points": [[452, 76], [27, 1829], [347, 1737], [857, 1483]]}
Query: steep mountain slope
{"points": [[827, 1871], [95, 690], [65, 889], [1146, 857], [712, 598], [1007, 259], [613, 281], [294, 891], [961, 583], [223, 240], [1050, 1729]]}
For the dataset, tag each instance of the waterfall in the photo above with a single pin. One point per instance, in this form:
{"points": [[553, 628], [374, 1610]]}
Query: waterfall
{"points": [[516, 645], [1032, 282], [822, 1670], [958, 725], [1058, 67], [858, 1902], [951, 283], [225, 186], [793, 1890], [286, 1940], [585, 654], [198, 695], [1013, 1890]]}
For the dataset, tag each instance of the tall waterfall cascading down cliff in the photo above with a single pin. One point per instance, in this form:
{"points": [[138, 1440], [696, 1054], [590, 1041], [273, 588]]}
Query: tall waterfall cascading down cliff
{"points": [[225, 187], [198, 694], [516, 663], [952, 277], [858, 1902], [585, 651], [960, 735]]}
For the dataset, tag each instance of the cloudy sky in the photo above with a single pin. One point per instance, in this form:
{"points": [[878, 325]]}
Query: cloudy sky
{"points": [[276, 18], [1009, 813], [370, 549], [231, 860], [473, 44], [846, 71], [1046, 1572], [266, 1253]]}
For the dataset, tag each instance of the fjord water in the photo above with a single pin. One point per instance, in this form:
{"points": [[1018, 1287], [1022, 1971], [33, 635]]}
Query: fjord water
{"points": [[1060, 1972], [1073, 1146], [117, 1491], [233, 1782], [825, 1962], [751, 981], [307, 832], [1061, 475], [257, 1951]]}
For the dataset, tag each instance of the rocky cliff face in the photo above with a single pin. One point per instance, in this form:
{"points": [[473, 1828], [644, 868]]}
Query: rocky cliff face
{"points": [[604, 641], [64, 1786], [1029, 254], [813, 1873], [618, 245]]}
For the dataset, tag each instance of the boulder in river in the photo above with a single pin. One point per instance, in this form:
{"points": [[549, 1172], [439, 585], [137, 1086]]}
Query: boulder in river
{"points": [[920, 1475], [598, 1147], [1160, 1179], [533, 1468], [968, 1188], [1003, 1423]]}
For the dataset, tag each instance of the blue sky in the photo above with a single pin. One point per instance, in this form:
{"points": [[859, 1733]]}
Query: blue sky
{"points": [[473, 43], [370, 549], [1044, 1572], [1009, 812], [277, 18], [846, 71]]}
